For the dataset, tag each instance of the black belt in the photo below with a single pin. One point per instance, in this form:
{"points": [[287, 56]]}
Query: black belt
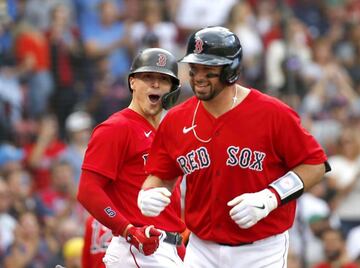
{"points": [[173, 238], [235, 245]]}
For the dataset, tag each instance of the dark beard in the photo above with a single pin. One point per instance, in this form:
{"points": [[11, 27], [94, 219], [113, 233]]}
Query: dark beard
{"points": [[209, 97]]}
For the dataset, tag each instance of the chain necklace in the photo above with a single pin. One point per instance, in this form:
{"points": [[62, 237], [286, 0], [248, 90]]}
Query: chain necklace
{"points": [[193, 125]]}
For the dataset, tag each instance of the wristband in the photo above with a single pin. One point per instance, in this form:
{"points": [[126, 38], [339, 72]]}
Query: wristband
{"points": [[288, 187]]}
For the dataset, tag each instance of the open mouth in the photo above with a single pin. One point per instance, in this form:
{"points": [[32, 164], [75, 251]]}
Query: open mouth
{"points": [[154, 98]]}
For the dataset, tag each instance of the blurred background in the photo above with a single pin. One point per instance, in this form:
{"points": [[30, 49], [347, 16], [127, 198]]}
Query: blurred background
{"points": [[63, 69]]}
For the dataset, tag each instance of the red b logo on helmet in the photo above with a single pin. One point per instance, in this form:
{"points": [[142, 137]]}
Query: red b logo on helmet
{"points": [[198, 46], [162, 60]]}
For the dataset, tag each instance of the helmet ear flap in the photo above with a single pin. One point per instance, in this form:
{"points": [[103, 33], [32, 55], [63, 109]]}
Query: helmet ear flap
{"points": [[169, 99], [231, 72]]}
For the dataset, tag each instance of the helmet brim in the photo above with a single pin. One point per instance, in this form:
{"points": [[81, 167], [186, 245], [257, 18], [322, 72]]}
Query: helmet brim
{"points": [[205, 59]]}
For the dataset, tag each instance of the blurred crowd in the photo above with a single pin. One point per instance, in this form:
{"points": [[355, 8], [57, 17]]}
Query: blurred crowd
{"points": [[63, 69]]}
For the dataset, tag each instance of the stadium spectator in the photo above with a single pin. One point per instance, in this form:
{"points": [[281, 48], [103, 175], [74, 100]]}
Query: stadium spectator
{"points": [[64, 48], [33, 65], [109, 38], [29, 248], [78, 127], [40, 154], [335, 251], [7, 222]]}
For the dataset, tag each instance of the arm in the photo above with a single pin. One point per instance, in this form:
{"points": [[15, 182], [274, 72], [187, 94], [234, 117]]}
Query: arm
{"points": [[47, 135], [310, 174], [155, 195], [249, 208], [153, 181], [92, 196]]}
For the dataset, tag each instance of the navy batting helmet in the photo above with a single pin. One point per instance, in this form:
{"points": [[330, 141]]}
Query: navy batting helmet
{"points": [[157, 60], [216, 46]]}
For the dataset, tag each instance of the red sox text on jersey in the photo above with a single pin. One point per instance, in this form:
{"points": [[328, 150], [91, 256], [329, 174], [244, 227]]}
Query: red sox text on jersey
{"points": [[243, 157]]}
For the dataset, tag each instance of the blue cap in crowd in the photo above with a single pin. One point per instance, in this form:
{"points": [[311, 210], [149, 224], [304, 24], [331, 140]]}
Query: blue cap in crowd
{"points": [[9, 153]]}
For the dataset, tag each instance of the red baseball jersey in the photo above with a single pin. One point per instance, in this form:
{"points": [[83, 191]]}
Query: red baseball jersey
{"points": [[118, 149], [250, 146], [96, 240]]}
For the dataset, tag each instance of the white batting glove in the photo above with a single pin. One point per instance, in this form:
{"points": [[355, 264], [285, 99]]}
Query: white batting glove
{"points": [[250, 208], [153, 201]]}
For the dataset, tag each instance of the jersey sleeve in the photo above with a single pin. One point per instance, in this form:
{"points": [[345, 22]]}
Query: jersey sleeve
{"points": [[160, 163], [294, 143], [106, 150]]}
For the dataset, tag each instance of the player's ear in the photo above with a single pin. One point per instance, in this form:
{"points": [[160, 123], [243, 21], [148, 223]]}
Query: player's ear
{"points": [[131, 83]]}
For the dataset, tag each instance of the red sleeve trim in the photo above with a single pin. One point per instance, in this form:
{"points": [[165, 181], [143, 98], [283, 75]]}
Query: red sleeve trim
{"points": [[276, 194]]}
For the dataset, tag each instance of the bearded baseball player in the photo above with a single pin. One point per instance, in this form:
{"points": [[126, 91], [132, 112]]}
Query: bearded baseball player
{"points": [[113, 170], [246, 158]]}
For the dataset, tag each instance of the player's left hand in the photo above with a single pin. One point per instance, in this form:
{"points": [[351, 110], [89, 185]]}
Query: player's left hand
{"points": [[153, 201], [250, 208]]}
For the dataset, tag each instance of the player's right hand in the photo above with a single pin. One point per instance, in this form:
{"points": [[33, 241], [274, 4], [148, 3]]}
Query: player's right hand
{"points": [[145, 239], [153, 201]]}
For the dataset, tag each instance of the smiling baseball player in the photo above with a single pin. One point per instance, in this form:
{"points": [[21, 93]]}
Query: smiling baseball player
{"points": [[246, 158]]}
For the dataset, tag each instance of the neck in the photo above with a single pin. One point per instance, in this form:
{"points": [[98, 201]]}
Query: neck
{"points": [[227, 99], [153, 119]]}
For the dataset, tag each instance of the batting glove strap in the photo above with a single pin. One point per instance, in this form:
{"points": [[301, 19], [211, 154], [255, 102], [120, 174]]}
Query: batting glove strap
{"points": [[250, 208], [288, 187], [145, 239], [153, 201]]}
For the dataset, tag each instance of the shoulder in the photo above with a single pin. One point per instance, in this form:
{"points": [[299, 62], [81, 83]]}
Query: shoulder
{"points": [[115, 123], [268, 101], [271, 105]]}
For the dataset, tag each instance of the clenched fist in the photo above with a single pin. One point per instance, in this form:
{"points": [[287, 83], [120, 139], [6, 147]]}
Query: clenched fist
{"points": [[250, 208], [145, 239], [153, 201]]}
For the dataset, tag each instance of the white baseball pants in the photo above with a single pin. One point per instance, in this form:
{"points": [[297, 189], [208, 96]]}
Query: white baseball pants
{"points": [[120, 254], [269, 252]]}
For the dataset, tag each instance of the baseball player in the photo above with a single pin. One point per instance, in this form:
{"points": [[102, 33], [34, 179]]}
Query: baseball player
{"points": [[96, 240], [113, 170], [245, 156]]}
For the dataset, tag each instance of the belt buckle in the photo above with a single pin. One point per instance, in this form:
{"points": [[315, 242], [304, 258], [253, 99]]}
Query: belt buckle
{"points": [[178, 239], [173, 238]]}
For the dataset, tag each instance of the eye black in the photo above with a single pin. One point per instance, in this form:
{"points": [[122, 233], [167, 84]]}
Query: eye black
{"points": [[212, 75]]}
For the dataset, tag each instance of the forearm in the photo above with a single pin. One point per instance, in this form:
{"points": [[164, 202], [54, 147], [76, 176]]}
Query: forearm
{"points": [[310, 174], [249, 208], [92, 196], [154, 181]]}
